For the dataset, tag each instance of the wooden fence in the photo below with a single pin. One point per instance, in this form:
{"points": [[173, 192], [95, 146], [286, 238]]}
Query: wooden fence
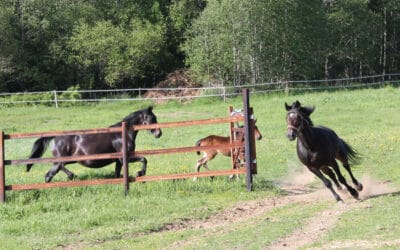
{"points": [[248, 144]]}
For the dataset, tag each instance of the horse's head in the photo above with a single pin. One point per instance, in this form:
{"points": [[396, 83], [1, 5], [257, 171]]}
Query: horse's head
{"points": [[148, 117], [297, 118]]}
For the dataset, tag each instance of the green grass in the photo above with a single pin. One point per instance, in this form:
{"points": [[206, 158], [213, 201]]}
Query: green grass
{"points": [[102, 217]]}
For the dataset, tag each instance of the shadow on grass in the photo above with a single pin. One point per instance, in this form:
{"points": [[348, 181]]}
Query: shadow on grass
{"points": [[94, 176], [374, 196], [267, 185]]}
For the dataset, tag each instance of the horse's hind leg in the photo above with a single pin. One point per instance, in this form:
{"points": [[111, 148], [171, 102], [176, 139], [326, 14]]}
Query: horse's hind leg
{"points": [[53, 171], [326, 182], [118, 167], [200, 163], [68, 173], [357, 184], [342, 180], [331, 175]]}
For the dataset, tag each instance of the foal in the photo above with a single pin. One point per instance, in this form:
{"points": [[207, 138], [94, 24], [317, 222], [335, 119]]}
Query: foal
{"points": [[318, 147], [213, 140]]}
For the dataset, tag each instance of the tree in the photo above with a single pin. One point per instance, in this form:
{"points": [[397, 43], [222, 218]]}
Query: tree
{"points": [[270, 40], [354, 31], [111, 53]]}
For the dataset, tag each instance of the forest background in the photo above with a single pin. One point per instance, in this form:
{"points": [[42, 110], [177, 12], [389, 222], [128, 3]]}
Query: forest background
{"points": [[103, 44]]}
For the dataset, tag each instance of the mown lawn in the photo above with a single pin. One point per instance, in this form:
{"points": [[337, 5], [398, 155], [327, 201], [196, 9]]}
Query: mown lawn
{"points": [[102, 217]]}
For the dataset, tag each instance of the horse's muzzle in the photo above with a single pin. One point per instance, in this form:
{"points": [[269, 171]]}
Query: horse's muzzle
{"points": [[157, 133], [291, 135]]}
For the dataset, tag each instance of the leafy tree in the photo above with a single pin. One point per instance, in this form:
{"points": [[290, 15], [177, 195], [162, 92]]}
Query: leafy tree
{"points": [[270, 40], [112, 53], [352, 27]]}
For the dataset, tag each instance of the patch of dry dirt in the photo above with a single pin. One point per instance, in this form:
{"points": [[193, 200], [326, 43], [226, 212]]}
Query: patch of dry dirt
{"points": [[176, 84], [297, 191]]}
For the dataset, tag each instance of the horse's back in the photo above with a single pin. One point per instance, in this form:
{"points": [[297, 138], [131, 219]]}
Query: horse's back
{"points": [[213, 140], [326, 135]]}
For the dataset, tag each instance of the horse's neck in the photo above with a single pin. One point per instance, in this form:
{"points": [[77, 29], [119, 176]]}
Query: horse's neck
{"points": [[131, 120], [306, 137], [132, 135]]}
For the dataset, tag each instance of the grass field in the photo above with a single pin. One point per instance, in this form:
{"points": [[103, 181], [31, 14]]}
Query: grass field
{"points": [[189, 214]]}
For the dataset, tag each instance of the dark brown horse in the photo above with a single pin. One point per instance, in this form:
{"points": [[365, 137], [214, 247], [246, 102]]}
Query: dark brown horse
{"points": [[76, 145], [319, 147], [213, 140]]}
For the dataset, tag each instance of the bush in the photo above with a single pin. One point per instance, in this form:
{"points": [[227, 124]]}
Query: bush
{"points": [[71, 96]]}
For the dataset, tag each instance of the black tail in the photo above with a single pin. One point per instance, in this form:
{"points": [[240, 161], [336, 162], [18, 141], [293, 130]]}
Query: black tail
{"points": [[198, 145], [353, 156], [39, 147]]}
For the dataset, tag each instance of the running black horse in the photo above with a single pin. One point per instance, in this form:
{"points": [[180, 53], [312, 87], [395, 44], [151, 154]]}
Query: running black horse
{"points": [[319, 147], [79, 145]]}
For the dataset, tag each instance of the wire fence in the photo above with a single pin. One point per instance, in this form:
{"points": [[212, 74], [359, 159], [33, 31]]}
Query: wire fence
{"points": [[76, 97]]}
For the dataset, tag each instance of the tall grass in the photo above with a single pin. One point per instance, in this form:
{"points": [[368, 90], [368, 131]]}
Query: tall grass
{"points": [[87, 216]]}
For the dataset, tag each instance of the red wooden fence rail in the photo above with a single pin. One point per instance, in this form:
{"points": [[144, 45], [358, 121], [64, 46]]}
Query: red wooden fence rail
{"points": [[249, 146]]}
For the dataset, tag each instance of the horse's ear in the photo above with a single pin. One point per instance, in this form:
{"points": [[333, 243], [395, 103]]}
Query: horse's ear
{"points": [[287, 107], [297, 104], [150, 109]]}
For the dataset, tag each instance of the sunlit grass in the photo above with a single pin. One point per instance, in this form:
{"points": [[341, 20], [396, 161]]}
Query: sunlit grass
{"points": [[366, 119]]}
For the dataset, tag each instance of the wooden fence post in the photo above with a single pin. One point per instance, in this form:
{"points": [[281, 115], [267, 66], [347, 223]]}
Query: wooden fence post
{"points": [[231, 137], [253, 142], [2, 170], [248, 139], [125, 162]]}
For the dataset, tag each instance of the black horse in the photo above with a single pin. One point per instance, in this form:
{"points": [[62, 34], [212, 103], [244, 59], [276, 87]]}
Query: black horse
{"points": [[319, 147], [76, 145]]}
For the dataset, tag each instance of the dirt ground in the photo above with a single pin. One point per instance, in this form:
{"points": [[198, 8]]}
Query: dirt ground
{"points": [[298, 191]]}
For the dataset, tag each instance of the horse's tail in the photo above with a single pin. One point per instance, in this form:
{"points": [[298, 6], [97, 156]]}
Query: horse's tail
{"points": [[353, 156], [198, 143], [39, 147]]}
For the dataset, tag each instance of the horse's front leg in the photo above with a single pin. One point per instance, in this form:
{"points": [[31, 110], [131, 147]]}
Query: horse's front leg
{"points": [[331, 175], [68, 173], [326, 182], [143, 160]]}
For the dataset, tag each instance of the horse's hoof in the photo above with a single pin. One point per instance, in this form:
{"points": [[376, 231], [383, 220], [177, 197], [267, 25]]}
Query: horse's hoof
{"points": [[359, 187], [47, 179], [339, 200], [355, 195], [140, 173]]}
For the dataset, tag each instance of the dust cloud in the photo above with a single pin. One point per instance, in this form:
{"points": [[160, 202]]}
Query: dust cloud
{"points": [[373, 187]]}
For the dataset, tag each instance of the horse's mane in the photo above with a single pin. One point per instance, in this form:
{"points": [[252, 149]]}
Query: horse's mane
{"points": [[130, 119], [307, 118]]}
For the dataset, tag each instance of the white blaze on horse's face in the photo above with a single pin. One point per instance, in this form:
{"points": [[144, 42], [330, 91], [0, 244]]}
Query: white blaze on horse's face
{"points": [[293, 124]]}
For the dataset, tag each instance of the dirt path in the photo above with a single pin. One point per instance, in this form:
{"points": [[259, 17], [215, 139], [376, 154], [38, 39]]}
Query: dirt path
{"points": [[297, 192], [311, 231]]}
